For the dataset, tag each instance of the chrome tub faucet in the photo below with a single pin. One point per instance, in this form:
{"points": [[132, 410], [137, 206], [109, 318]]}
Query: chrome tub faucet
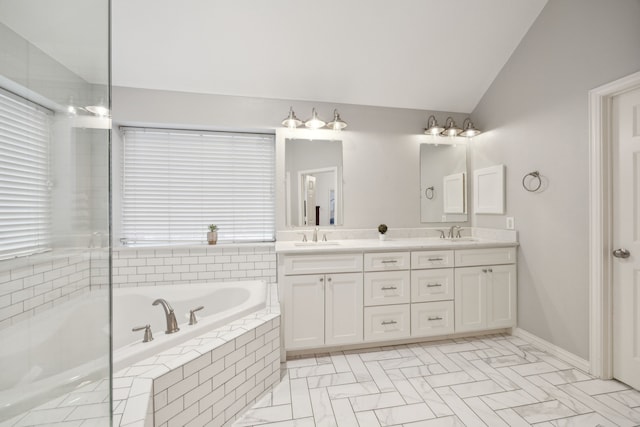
{"points": [[172, 324]]}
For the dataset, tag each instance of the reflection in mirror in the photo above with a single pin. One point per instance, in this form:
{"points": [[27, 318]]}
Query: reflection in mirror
{"points": [[313, 171], [443, 183]]}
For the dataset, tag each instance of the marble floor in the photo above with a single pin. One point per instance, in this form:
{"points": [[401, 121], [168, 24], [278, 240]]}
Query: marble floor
{"points": [[494, 381]]}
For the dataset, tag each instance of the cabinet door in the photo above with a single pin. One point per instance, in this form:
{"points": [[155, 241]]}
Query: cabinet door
{"points": [[304, 311], [343, 308], [470, 299], [501, 296]]}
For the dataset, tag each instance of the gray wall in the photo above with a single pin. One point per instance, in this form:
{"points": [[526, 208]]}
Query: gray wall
{"points": [[537, 117], [381, 146]]}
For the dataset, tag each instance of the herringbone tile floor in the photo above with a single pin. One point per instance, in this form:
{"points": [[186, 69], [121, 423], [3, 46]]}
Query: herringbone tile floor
{"points": [[493, 381]]}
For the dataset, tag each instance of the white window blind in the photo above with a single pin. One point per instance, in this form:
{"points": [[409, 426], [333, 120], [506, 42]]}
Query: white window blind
{"points": [[176, 183], [25, 201]]}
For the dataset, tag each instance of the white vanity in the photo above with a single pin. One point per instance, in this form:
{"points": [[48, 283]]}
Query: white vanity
{"points": [[356, 292]]}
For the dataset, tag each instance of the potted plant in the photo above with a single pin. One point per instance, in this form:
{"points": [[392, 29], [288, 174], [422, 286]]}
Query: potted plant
{"points": [[212, 235], [382, 229]]}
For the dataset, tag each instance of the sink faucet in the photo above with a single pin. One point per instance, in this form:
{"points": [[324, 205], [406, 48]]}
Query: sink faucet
{"points": [[315, 234], [454, 231], [172, 324]]}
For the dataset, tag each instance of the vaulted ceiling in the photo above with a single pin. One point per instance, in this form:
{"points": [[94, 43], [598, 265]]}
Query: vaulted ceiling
{"points": [[424, 54]]}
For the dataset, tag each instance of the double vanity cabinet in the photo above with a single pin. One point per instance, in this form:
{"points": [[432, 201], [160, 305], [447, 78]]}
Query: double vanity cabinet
{"points": [[349, 297]]}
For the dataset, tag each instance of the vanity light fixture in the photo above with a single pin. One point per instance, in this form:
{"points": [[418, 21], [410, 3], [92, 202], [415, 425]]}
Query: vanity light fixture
{"points": [[450, 128], [314, 122], [469, 130], [337, 123], [291, 121], [433, 128]]}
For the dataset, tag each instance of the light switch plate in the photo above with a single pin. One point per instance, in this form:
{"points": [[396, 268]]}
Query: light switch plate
{"points": [[510, 223]]}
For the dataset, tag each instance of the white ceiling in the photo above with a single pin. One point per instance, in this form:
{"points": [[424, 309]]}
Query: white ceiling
{"points": [[424, 54]]}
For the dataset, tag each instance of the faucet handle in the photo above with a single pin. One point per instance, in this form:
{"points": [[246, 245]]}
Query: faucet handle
{"points": [[442, 235], [304, 237], [192, 315], [148, 336]]}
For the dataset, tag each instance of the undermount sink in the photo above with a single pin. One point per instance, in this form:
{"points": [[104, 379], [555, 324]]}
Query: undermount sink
{"points": [[316, 244], [460, 239]]}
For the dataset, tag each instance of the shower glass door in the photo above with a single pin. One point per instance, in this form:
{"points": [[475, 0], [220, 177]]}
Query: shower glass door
{"points": [[55, 280]]}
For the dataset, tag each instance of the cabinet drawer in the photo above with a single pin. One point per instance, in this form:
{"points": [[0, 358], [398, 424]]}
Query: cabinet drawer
{"points": [[431, 259], [432, 318], [381, 261], [387, 322], [386, 287], [492, 256], [320, 264], [432, 285]]}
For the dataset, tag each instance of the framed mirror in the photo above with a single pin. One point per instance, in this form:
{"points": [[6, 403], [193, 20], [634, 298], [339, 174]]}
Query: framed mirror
{"points": [[313, 175], [443, 183]]}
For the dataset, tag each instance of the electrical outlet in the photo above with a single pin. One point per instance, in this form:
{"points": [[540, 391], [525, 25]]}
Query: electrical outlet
{"points": [[510, 223]]}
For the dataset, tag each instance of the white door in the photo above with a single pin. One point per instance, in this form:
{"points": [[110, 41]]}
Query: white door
{"points": [[309, 200], [343, 308], [304, 311], [626, 238]]}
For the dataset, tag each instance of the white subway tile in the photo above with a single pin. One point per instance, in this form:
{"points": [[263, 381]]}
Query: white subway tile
{"points": [[223, 274], [180, 268], [214, 267], [182, 387], [167, 380], [222, 259], [137, 262], [11, 286], [196, 268], [230, 266], [189, 260]]}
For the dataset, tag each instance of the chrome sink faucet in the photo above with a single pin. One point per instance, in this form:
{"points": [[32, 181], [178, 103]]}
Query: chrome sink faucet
{"points": [[315, 234], [172, 324], [454, 231]]}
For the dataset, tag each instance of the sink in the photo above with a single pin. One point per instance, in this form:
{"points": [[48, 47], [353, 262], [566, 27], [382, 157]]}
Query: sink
{"points": [[316, 244], [461, 239]]}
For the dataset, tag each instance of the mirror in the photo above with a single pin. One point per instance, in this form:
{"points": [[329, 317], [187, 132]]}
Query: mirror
{"points": [[443, 183], [313, 174]]}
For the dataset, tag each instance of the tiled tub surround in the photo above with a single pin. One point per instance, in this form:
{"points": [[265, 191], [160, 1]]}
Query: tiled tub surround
{"points": [[34, 284], [173, 265], [208, 380], [219, 304]]}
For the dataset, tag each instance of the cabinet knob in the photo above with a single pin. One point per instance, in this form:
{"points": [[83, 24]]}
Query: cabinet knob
{"points": [[484, 270], [328, 279], [491, 270], [322, 279]]}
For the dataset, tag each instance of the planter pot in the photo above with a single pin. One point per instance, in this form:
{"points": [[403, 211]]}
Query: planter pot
{"points": [[212, 237], [382, 236]]}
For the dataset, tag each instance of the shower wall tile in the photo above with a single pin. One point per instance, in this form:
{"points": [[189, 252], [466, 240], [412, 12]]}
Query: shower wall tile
{"points": [[181, 265], [49, 280]]}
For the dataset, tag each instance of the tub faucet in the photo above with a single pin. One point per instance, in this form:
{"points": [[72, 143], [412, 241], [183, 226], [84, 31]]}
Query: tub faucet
{"points": [[172, 324]]}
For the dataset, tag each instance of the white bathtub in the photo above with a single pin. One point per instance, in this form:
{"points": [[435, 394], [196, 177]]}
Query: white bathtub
{"points": [[54, 352], [67, 346], [223, 303]]}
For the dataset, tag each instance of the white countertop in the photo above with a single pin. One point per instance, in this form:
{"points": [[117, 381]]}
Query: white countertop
{"points": [[351, 245]]}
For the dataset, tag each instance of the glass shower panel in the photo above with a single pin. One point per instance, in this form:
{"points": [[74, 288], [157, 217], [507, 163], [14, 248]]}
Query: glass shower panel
{"points": [[55, 280]]}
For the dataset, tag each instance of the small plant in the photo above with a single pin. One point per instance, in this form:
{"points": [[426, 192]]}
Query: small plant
{"points": [[382, 228], [213, 227]]}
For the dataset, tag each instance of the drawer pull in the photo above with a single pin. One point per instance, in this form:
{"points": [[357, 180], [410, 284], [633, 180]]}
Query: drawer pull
{"points": [[436, 259], [434, 318], [388, 322], [388, 288], [433, 285], [389, 261]]}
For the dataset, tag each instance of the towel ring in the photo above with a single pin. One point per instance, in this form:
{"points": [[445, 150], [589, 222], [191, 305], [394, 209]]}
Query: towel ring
{"points": [[429, 193], [535, 176]]}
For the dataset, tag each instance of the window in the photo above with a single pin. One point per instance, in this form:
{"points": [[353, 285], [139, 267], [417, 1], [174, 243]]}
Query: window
{"points": [[175, 183], [25, 200]]}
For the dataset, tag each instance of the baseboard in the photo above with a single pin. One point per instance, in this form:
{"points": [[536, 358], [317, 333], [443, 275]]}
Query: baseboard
{"points": [[553, 350]]}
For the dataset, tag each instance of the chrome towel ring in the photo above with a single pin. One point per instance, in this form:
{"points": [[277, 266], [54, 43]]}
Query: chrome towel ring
{"points": [[429, 193], [532, 186]]}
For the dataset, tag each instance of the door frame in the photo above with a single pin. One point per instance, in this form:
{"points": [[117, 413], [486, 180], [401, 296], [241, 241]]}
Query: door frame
{"points": [[600, 223]]}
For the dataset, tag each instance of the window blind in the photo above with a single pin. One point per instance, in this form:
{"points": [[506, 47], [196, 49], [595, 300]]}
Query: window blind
{"points": [[25, 201], [176, 183]]}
